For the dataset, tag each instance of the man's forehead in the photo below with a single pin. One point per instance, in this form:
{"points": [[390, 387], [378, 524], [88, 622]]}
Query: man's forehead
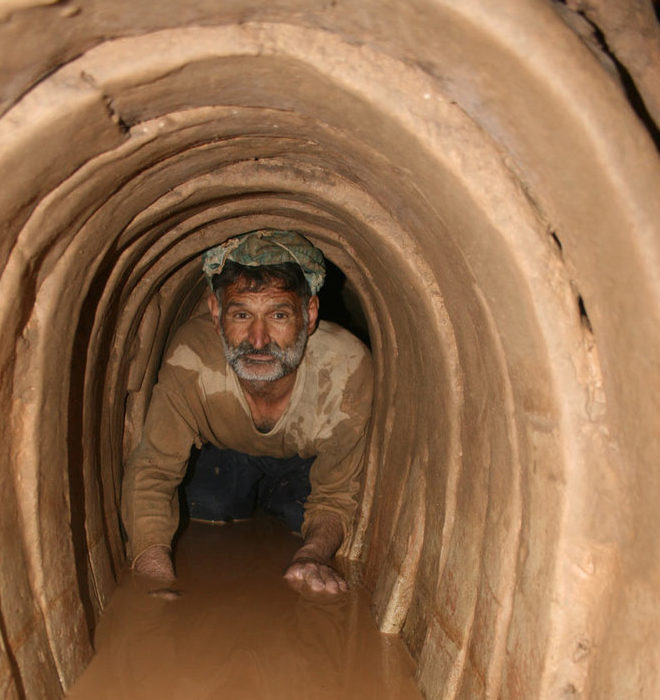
{"points": [[238, 293]]}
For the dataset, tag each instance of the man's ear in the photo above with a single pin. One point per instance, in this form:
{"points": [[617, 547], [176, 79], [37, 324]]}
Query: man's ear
{"points": [[214, 308], [313, 311]]}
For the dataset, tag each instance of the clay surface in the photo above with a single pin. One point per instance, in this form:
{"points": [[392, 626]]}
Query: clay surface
{"points": [[237, 630]]}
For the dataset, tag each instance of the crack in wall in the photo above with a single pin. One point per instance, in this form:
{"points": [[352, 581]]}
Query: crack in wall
{"points": [[628, 83]]}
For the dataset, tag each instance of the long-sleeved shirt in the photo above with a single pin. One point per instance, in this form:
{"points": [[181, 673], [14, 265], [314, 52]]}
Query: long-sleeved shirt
{"points": [[198, 399]]}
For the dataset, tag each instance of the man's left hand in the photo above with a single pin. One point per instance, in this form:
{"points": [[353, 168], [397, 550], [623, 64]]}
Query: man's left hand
{"points": [[309, 568], [306, 572]]}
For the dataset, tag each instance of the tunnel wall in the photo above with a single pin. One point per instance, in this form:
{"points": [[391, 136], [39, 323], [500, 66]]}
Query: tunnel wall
{"points": [[481, 178]]}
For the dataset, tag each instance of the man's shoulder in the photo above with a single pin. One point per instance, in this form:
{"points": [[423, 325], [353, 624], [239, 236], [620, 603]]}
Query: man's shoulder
{"points": [[195, 332], [339, 377], [196, 344], [331, 343]]}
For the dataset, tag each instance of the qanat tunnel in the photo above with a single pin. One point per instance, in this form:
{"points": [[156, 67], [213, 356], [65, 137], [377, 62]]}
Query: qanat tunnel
{"points": [[485, 176]]}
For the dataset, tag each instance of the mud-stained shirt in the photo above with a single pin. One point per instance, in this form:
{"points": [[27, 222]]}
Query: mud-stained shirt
{"points": [[198, 399]]}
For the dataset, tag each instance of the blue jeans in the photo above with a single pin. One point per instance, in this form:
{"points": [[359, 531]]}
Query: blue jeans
{"points": [[229, 485]]}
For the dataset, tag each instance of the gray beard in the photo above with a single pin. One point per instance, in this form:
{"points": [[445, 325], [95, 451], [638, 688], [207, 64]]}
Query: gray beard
{"points": [[286, 360]]}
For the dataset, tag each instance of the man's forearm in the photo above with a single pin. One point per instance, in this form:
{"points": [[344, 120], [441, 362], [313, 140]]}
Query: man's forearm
{"points": [[149, 506], [323, 538]]}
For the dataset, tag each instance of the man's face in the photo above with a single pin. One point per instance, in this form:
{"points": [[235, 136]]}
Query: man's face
{"points": [[264, 333]]}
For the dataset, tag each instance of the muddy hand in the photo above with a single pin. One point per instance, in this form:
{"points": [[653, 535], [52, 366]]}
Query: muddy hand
{"points": [[155, 563], [312, 574]]}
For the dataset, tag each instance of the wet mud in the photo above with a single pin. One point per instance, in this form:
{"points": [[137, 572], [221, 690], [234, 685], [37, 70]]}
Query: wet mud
{"points": [[233, 628]]}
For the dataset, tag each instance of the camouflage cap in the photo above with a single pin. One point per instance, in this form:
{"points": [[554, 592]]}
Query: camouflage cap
{"points": [[267, 247]]}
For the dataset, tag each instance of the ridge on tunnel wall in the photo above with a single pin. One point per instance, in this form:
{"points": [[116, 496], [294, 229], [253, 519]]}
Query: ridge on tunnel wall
{"points": [[486, 187]]}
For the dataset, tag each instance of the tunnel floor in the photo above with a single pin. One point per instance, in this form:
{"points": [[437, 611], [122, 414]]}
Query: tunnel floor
{"points": [[239, 631]]}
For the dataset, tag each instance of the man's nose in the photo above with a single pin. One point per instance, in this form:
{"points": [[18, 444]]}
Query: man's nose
{"points": [[258, 334]]}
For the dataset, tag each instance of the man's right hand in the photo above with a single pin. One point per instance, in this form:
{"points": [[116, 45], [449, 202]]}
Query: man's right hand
{"points": [[156, 563]]}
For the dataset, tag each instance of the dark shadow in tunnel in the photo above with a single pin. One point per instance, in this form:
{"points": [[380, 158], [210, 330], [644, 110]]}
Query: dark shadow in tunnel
{"points": [[11, 659], [184, 513], [76, 439], [76, 460], [340, 303]]}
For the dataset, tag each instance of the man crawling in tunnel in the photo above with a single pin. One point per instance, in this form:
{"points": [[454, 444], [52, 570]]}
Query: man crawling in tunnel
{"points": [[277, 402]]}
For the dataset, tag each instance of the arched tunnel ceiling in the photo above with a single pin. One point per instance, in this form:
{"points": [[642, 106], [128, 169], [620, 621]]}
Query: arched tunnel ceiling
{"points": [[439, 175]]}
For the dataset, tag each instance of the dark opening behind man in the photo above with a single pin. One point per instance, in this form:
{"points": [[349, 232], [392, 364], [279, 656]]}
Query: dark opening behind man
{"points": [[278, 405]]}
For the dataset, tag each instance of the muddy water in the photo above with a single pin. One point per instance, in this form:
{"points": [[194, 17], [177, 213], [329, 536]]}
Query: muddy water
{"points": [[238, 631]]}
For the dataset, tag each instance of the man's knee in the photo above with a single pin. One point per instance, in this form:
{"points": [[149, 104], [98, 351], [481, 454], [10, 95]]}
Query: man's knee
{"points": [[283, 495], [221, 485]]}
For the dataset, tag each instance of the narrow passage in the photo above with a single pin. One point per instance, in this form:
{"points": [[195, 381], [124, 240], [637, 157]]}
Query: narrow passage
{"points": [[239, 632]]}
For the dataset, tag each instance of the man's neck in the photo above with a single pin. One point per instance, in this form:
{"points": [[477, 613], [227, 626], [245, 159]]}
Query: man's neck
{"points": [[268, 400], [269, 391]]}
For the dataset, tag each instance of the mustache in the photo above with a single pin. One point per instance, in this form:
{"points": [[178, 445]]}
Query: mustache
{"points": [[246, 348]]}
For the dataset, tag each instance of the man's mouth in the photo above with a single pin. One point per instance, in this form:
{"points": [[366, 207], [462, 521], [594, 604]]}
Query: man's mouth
{"points": [[258, 358]]}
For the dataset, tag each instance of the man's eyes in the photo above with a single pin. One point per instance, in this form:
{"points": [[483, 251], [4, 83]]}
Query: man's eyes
{"points": [[277, 315]]}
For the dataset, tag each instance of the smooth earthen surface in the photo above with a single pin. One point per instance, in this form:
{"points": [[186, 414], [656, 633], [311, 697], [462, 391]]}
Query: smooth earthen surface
{"points": [[485, 175]]}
